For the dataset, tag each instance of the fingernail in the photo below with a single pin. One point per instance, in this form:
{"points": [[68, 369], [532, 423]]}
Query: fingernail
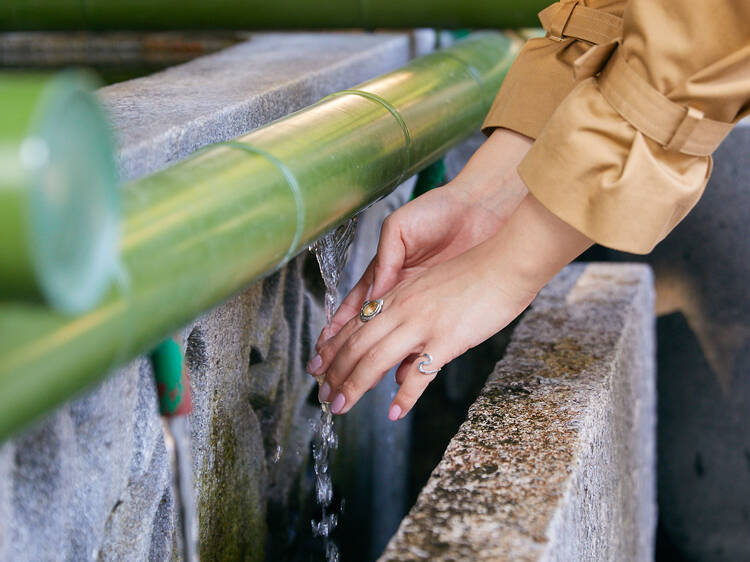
{"points": [[338, 403], [369, 293], [324, 392], [314, 364], [394, 412]]}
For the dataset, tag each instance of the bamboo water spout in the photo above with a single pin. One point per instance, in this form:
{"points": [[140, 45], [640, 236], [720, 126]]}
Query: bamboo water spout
{"points": [[261, 14], [59, 193], [199, 231]]}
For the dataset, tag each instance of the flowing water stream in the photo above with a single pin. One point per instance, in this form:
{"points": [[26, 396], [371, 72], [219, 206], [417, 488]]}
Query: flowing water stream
{"points": [[331, 252]]}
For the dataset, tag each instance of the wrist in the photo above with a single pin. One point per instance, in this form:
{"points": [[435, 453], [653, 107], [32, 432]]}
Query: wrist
{"points": [[533, 247], [490, 178]]}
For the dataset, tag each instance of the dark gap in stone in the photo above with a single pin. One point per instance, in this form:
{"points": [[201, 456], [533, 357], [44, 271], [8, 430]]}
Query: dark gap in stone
{"points": [[308, 337], [196, 352], [666, 550], [595, 253], [256, 357], [312, 397], [293, 304], [313, 279]]}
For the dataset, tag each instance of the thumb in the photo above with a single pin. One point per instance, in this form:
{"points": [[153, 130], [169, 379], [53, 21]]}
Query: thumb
{"points": [[389, 259]]}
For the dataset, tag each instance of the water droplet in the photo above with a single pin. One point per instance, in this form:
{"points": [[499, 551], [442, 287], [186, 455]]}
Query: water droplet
{"points": [[276, 454]]}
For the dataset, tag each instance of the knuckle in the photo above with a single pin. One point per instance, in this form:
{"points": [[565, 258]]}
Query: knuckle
{"points": [[350, 388], [327, 353], [334, 376], [389, 224], [353, 343], [371, 356]]}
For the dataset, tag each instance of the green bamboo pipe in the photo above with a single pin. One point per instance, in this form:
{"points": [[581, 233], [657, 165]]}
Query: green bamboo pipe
{"points": [[59, 196], [262, 14], [199, 231]]}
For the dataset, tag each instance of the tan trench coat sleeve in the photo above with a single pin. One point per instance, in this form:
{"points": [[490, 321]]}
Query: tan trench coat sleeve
{"points": [[542, 74], [612, 180]]}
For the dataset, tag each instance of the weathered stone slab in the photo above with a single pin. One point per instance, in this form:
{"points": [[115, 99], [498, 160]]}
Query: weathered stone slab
{"points": [[556, 460], [162, 118]]}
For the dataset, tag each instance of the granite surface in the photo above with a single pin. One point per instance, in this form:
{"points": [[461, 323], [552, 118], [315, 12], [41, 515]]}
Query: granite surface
{"points": [[163, 117], [556, 460]]}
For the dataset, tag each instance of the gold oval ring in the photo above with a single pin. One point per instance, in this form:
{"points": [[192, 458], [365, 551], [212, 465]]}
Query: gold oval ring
{"points": [[370, 310]]}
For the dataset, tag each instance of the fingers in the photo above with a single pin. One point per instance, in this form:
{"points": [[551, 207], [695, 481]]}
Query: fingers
{"points": [[340, 352], [404, 368], [349, 384], [350, 307], [389, 259], [380, 277], [414, 384]]}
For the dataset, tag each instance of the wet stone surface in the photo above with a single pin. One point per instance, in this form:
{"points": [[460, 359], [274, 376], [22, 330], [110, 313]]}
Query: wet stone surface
{"points": [[556, 460]]}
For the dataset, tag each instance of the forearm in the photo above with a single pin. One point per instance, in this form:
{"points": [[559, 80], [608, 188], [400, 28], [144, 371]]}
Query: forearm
{"points": [[530, 250]]}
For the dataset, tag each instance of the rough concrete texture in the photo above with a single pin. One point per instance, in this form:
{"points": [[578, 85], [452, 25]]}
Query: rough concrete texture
{"points": [[701, 274], [162, 118], [93, 479], [556, 460]]}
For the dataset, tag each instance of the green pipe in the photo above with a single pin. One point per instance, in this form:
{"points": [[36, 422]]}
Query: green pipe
{"points": [[58, 191], [262, 14], [199, 231]]}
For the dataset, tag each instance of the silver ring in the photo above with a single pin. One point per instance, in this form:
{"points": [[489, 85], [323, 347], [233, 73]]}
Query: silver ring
{"points": [[427, 361], [370, 310]]}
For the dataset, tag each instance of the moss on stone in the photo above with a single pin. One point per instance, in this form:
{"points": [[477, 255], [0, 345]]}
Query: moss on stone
{"points": [[230, 509]]}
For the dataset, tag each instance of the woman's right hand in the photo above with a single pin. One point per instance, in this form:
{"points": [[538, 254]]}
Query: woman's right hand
{"points": [[442, 223]]}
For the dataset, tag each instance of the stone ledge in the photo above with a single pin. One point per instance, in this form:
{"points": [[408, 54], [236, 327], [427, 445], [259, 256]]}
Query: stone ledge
{"points": [[162, 118], [556, 460]]}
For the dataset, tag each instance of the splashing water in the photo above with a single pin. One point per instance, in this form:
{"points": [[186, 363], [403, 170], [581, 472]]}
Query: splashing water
{"points": [[331, 252], [325, 440]]}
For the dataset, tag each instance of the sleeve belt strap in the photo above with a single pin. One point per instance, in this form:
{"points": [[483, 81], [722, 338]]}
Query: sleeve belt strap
{"points": [[569, 18], [676, 127]]}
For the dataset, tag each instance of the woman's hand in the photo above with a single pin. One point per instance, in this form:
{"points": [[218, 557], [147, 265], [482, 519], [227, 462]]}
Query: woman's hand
{"points": [[447, 309], [442, 223]]}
